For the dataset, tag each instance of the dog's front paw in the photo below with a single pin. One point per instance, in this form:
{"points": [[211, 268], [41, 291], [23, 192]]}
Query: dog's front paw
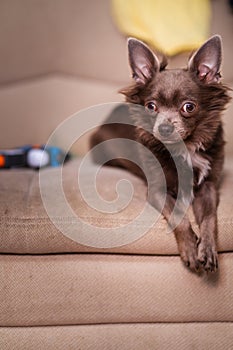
{"points": [[207, 255], [188, 252]]}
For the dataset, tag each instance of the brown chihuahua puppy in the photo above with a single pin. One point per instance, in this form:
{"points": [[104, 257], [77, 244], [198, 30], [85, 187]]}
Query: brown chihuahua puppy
{"points": [[177, 107]]}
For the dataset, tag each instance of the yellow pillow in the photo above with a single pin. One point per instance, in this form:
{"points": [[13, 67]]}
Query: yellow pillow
{"points": [[171, 26]]}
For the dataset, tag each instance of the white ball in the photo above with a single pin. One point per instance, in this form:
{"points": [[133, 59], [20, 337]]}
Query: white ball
{"points": [[37, 158]]}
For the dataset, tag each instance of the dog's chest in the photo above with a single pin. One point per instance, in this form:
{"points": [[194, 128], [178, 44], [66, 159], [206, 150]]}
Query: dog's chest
{"points": [[171, 171], [201, 166], [193, 166]]}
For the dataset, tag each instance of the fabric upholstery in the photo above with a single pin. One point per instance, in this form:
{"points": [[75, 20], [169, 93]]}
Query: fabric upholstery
{"points": [[25, 226], [120, 337], [95, 289], [77, 38], [38, 106]]}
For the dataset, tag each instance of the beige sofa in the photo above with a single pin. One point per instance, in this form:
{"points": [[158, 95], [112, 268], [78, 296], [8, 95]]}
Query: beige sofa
{"points": [[57, 293]]}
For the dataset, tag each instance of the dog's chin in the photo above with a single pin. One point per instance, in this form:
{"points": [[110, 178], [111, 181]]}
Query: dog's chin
{"points": [[171, 142]]}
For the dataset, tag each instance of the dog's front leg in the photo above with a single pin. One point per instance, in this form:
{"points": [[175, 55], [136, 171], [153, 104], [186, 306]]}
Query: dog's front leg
{"points": [[205, 211], [179, 223], [187, 244]]}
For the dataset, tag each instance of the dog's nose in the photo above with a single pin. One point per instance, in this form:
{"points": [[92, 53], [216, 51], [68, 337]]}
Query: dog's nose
{"points": [[166, 129]]}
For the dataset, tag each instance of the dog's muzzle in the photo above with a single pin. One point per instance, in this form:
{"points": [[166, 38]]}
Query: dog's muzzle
{"points": [[165, 129]]}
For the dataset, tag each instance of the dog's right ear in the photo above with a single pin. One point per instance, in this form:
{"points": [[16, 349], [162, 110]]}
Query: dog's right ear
{"points": [[143, 62]]}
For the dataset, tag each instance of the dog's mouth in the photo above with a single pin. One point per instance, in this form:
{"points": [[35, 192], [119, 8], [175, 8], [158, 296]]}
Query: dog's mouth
{"points": [[172, 138]]}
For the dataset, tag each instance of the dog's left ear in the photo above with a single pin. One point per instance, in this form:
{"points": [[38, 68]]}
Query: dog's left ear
{"points": [[206, 61]]}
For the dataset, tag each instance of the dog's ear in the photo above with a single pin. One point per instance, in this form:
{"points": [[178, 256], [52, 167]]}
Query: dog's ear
{"points": [[206, 61], [143, 62]]}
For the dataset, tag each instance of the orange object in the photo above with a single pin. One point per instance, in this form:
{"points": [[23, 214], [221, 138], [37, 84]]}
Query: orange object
{"points": [[2, 161]]}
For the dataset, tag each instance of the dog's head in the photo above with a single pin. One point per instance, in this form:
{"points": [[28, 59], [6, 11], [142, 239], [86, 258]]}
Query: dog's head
{"points": [[179, 103]]}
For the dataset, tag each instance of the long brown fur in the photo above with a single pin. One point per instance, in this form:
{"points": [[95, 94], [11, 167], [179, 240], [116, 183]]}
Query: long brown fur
{"points": [[200, 130]]}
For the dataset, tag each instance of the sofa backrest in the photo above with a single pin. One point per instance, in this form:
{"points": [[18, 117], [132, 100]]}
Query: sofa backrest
{"points": [[77, 37]]}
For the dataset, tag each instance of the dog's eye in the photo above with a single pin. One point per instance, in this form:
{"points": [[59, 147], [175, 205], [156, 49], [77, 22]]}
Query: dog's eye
{"points": [[151, 106], [188, 107]]}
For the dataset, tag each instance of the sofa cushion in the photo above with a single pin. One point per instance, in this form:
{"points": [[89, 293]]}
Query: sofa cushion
{"points": [[26, 227], [121, 336], [72, 289], [39, 105]]}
